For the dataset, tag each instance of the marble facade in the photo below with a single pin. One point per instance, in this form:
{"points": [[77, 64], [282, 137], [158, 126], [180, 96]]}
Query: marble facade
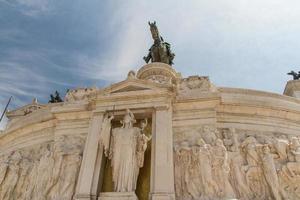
{"points": [[189, 139]]}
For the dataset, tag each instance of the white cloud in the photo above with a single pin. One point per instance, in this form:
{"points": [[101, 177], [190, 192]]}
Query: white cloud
{"points": [[218, 28], [30, 7], [238, 43]]}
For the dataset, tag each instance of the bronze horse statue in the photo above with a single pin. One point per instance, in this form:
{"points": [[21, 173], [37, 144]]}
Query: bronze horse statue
{"points": [[160, 51], [295, 75]]}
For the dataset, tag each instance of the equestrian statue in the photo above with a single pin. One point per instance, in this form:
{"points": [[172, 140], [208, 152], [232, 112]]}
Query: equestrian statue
{"points": [[160, 51]]}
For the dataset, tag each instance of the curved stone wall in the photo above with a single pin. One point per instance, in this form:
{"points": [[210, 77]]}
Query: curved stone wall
{"points": [[237, 143], [228, 143]]}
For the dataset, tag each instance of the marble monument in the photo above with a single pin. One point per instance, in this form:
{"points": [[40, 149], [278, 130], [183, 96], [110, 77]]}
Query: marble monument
{"points": [[155, 135]]}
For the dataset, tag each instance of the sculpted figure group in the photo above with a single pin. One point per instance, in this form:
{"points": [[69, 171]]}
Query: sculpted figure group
{"points": [[46, 172], [224, 165]]}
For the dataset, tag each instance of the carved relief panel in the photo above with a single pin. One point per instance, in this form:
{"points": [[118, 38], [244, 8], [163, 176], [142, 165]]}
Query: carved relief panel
{"points": [[45, 171], [227, 163]]}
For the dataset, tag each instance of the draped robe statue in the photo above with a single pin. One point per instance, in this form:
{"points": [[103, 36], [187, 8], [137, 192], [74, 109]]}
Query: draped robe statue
{"points": [[105, 133], [127, 153]]}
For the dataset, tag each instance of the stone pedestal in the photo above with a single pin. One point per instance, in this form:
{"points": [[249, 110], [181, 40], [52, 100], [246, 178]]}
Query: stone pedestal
{"points": [[117, 196], [292, 88]]}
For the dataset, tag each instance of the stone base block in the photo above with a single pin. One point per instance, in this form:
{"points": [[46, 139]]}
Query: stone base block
{"points": [[163, 196], [85, 197], [117, 196]]}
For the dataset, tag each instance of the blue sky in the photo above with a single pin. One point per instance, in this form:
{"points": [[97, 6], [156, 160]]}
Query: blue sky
{"points": [[48, 45]]}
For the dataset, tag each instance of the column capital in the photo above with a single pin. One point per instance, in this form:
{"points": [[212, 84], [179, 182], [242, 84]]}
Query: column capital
{"points": [[98, 112], [161, 107]]}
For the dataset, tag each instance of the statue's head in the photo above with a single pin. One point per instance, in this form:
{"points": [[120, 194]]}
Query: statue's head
{"points": [[128, 119], [266, 149], [154, 30], [295, 141]]}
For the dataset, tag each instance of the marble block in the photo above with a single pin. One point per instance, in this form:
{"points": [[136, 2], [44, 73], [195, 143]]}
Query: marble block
{"points": [[117, 196]]}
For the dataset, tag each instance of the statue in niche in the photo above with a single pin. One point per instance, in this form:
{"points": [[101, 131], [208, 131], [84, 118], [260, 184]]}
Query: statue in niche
{"points": [[126, 150], [105, 133], [160, 51]]}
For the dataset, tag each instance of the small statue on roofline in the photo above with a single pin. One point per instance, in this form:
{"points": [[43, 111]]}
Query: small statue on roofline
{"points": [[295, 75], [55, 98]]}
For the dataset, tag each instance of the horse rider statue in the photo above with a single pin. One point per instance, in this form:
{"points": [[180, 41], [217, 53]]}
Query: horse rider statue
{"points": [[160, 51]]}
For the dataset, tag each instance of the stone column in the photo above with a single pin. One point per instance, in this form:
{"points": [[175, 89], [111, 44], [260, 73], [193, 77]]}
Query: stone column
{"points": [[88, 179], [162, 168]]}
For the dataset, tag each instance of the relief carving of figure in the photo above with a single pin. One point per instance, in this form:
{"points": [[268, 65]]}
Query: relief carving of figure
{"points": [[210, 187], [3, 167], [290, 173], [294, 146], [237, 175], [270, 173], [105, 133], [44, 174], [67, 156], [21, 186], [208, 135], [253, 169], [124, 154], [221, 169], [194, 183], [183, 161], [12, 176]]}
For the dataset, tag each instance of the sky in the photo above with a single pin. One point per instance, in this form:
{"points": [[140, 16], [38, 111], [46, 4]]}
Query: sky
{"points": [[48, 45]]}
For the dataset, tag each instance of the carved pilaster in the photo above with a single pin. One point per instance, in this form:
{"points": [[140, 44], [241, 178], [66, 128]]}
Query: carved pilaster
{"points": [[92, 160], [162, 169]]}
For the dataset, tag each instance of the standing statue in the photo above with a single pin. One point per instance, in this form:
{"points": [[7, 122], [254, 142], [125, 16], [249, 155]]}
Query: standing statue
{"points": [[160, 51], [126, 151]]}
